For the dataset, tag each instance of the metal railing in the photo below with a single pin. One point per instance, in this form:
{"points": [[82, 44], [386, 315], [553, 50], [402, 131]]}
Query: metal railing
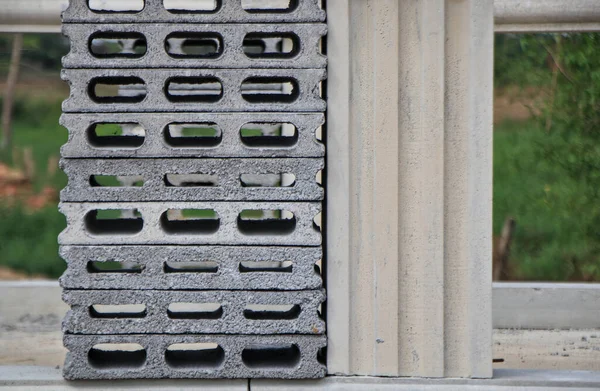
{"points": [[510, 15]]}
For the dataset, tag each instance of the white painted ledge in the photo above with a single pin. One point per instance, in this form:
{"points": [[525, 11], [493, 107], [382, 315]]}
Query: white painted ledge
{"points": [[49, 379], [518, 305]]}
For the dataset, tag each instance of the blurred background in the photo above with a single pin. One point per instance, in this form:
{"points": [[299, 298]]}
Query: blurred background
{"points": [[546, 156]]}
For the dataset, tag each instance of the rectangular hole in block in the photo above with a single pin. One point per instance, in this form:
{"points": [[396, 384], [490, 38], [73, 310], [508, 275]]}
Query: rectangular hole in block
{"points": [[194, 45], [195, 311], [193, 135], [192, 6], [191, 267], [117, 311], [113, 222], [117, 45], [272, 311], [116, 5], [116, 181], [191, 180], [194, 89], [283, 179], [117, 89], [194, 355], [190, 221], [271, 45], [117, 356], [269, 6], [266, 222], [114, 267], [265, 266], [317, 222], [271, 356], [270, 90], [116, 135], [269, 135]]}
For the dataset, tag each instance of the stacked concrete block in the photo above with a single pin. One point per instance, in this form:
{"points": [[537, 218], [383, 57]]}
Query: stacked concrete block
{"points": [[194, 199]]}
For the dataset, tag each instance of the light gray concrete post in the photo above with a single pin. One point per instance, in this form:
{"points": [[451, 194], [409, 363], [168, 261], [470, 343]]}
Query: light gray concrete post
{"points": [[409, 187]]}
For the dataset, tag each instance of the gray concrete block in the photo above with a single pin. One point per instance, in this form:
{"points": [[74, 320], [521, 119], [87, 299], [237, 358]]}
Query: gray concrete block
{"points": [[155, 143], [191, 267], [196, 312], [227, 12], [239, 356], [306, 52], [195, 90], [193, 180], [227, 229]]}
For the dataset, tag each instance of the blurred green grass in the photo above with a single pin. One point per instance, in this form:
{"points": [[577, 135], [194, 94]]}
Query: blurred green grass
{"points": [[29, 238], [549, 243]]}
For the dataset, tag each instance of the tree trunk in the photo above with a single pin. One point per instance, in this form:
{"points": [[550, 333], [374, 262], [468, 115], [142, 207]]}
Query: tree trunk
{"points": [[501, 268], [9, 93]]}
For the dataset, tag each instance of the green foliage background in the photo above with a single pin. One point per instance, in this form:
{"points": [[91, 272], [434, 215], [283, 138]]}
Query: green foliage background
{"points": [[547, 171]]}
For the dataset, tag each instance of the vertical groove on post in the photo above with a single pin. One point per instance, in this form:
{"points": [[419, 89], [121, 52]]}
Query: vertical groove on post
{"points": [[374, 192], [421, 189], [468, 188], [338, 188]]}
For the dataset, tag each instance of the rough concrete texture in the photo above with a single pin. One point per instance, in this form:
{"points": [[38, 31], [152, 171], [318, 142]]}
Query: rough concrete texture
{"points": [[227, 11], [306, 97], [171, 267], [154, 144], [306, 52], [302, 362], [80, 230], [197, 312], [220, 180]]}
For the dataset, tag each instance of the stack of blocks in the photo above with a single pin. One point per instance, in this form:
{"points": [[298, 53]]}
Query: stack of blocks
{"points": [[194, 155]]}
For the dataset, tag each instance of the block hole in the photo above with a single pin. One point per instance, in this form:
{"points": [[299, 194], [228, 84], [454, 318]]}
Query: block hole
{"points": [[319, 178], [116, 135], [284, 179], [271, 45], [117, 356], [194, 45], [117, 89], [191, 267], [194, 355], [271, 356], [195, 311], [190, 221], [317, 222], [269, 135], [113, 267], [193, 135], [116, 181], [319, 134], [194, 89], [318, 266], [266, 222], [322, 356], [270, 90], [192, 6], [117, 311], [117, 45], [269, 6], [266, 266], [116, 6], [271, 312], [191, 180], [113, 222]]}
